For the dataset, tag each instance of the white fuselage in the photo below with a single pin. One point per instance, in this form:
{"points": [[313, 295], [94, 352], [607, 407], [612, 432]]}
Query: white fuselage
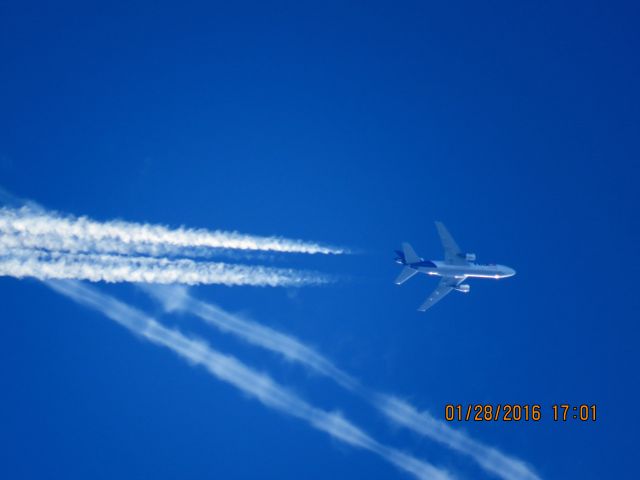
{"points": [[472, 270]]}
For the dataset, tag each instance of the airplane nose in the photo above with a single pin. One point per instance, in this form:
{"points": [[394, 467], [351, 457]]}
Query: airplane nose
{"points": [[510, 272]]}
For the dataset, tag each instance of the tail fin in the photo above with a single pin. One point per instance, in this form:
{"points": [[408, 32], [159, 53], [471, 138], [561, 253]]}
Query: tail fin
{"points": [[409, 255], [405, 274]]}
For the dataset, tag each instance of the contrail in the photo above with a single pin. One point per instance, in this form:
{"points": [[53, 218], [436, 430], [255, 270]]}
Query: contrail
{"points": [[399, 412], [176, 298], [74, 245], [255, 384], [45, 265], [46, 245], [489, 458], [37, 228]]}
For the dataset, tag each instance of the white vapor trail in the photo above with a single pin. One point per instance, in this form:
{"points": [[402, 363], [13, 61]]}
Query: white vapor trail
{"points": [[36, 228], [398, 411], [45, 265], [255, 384], [489, 458], [177, 298], [74, 245]]}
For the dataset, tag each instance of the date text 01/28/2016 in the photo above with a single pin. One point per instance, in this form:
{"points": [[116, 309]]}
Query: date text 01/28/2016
{"points": [[517, 412]]}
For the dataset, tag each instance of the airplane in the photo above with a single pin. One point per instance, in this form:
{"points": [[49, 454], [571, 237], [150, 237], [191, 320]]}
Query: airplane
{"points": [[454, 269]]}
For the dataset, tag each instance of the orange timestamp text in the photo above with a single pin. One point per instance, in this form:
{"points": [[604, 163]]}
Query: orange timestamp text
{"points": [[514, 412]]}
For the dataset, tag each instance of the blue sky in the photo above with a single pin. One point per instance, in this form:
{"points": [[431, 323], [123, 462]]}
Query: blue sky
{"points": [[358, 125]]}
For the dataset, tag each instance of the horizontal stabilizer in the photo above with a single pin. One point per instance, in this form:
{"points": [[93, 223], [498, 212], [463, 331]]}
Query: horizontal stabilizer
{"points": [[410, 255], [405, 274]]}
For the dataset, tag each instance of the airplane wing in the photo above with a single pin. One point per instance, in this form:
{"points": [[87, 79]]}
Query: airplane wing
{"points": [[452, 252], [444, 287]]}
